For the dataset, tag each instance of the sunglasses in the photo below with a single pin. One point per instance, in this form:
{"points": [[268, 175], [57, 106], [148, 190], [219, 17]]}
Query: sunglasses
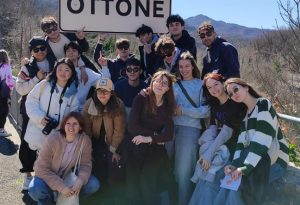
{"points": [[37, 49], [167, 54], [132, 69], [207, 33], [50, 29], [103, 91], [234, 91], [123, 48]]}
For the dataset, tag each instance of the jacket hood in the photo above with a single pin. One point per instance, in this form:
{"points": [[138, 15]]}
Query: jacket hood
{"points": [[219, 40]]}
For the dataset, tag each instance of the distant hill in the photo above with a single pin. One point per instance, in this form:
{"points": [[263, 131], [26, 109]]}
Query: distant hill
{"points": [[224, 29]]}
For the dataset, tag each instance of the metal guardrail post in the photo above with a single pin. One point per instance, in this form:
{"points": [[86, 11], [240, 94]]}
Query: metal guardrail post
{"points": [[289, 118]]}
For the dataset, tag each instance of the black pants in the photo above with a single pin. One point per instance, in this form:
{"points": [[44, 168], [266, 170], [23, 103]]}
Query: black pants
{"points": [[108, 172], [26, 155], [148, 174], [254, 185], [3, 111]]}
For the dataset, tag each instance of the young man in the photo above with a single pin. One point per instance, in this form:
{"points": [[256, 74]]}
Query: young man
{"points": [[180, 36], [115, 66], [169, 53], [30, 75], [221, 56], [56, 41], [73, 52], [148, 56], [127, 89]]}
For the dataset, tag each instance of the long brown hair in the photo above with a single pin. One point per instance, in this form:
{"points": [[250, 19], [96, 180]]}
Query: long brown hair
{"points": [[113, 106], [242, 83], [188, 56], [4, 57], [168, 97]]}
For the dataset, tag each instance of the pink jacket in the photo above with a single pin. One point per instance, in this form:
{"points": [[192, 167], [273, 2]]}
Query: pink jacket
{"points": [[49, 160], [6, 73]]}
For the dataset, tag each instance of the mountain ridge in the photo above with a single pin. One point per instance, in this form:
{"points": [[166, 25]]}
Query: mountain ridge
{"points": [[231, 30]]}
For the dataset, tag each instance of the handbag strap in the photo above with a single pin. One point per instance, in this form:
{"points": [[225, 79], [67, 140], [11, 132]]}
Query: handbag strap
{"points": [[187, 95], [79, 157]]}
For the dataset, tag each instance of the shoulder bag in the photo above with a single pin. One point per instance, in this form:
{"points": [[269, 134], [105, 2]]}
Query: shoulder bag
{"points": [[202, 122], [69, 181]]}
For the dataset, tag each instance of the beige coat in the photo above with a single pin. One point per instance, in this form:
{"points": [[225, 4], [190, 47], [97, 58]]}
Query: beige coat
{"points": [[50, 156], [114, 126]]}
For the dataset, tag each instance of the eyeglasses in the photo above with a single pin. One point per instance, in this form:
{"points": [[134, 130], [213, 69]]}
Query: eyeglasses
{"points": [[37, 49], [166, 54], [103, 92], [207, 33], [132, 69], [50, 29], [123, 48], [161, 82], [234, 91]]}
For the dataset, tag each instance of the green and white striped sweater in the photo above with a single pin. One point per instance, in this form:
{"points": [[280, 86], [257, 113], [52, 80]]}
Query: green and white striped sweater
{"points": [[260, 130]]}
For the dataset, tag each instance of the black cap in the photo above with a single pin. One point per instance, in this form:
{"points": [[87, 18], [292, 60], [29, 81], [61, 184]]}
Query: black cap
{"points": [[36, 41]]}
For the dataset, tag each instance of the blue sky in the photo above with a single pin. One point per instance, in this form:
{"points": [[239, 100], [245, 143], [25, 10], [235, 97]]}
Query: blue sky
{"points": [[250, 13]]}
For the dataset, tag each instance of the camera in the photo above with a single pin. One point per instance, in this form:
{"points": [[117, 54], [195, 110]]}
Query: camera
{"points": [[52, 123]]}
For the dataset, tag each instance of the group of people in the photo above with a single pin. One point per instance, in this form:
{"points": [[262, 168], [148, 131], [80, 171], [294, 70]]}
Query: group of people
{"points": [[140, 124]]}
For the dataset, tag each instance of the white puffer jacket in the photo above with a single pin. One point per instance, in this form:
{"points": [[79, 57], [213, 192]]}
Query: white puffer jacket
{"points": [[37, 105]]}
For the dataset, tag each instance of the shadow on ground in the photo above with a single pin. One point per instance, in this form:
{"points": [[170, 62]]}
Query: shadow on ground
{"points": [[8, 147]]}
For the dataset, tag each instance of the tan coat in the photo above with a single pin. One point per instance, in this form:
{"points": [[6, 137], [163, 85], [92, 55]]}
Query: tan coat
{"points": [[114, 126], [49, 160]]}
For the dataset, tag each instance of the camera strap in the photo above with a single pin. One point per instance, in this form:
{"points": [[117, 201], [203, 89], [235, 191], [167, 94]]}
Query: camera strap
{"points": [[60, 100]]}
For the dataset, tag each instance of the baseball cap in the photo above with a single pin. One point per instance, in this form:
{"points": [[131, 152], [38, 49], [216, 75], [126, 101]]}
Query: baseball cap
{"points": [[105, 83]]}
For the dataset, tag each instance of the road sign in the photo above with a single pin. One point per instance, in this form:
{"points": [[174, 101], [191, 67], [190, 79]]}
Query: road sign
{"points": [[120, 16]]}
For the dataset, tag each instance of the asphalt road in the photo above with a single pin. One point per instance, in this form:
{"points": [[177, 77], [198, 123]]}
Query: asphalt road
{"points": [[10, 178]]}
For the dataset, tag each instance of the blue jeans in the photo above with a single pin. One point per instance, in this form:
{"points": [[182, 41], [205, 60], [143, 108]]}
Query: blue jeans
{"points": [[205, 192], [229, 197], [276, 172], [186, 154], [42, 193]]}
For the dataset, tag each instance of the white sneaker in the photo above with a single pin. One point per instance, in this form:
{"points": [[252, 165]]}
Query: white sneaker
{"points": [[3, 133], [26, 182]]}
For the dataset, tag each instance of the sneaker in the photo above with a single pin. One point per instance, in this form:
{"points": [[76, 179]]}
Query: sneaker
{"points": [[3, 133], [26, 182]]}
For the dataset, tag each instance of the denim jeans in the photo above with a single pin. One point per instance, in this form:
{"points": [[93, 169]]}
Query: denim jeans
{"points": [[42, 193], [186, 154], [229, 197], [276, 172]]}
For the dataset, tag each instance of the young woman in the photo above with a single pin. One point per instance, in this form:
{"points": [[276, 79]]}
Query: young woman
{"points": [[225, 119], [30, 74], [256, 148], [49, 101], [104, 115], [7, 85], [187, 123], [150, 125], [58, 157]]}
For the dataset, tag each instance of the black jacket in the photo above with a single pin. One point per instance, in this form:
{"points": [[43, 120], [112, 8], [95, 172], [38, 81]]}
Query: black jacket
{"points": [[186, 42], [115, 66], [151, 58], [221, 58]]}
